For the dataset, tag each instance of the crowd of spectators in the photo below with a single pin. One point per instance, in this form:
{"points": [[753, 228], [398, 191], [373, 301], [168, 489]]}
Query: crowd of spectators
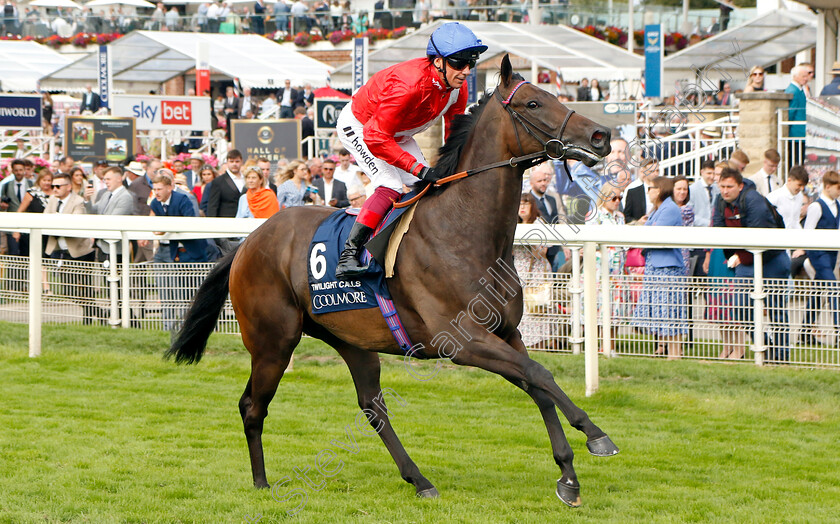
{"points": [[653, 295]]}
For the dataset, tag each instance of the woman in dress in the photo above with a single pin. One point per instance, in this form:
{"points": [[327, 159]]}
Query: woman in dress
{"points": [[595, 91], [293, 188], [205, 176], [756, 80], [35, 201], [78, 180], [258, 201], [661, 310], [47, 105], [608, 214], [534, 271], [681, 197]]}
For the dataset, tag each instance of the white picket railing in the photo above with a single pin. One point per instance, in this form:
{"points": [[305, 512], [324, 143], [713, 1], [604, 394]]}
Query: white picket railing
{"points": [[583, 299]]}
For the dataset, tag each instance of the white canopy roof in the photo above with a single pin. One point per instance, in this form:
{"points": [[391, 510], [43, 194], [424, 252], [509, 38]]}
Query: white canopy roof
{"points": [[22, 64], [144, 57], [573, 53], [762, 41]]}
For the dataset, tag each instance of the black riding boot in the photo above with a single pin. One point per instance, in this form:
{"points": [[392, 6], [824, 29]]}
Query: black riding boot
{"points": [[349, 265]]}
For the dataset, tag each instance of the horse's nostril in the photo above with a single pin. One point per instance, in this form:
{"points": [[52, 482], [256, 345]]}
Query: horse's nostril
{"points": [[598, 138]]}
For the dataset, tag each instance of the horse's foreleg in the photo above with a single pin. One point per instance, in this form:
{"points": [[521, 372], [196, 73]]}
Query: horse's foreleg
{"points": [[491, 353], [568, 488], [364, 367]]}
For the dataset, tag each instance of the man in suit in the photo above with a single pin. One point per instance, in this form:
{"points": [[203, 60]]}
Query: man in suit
{"points": [[333, 191], [765, 179], [193, 173], [540, 178], [79, 283], [173, 290], [307, 125], [306, 97], [11, 197], [230, 109], [227, 188], [287, 98], [833, 87], [90, 101], [247, 103], [800, 76], [224, 193], [547, 205], [114, 199], [583, 92], [637, 203]]}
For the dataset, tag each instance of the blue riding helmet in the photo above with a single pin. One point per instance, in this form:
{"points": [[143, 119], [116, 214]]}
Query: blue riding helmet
{"points": [[453, 38]]}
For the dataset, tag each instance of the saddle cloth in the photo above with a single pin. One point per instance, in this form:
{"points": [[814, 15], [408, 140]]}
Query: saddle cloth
{"points": [[327, 293], [368, 290]]}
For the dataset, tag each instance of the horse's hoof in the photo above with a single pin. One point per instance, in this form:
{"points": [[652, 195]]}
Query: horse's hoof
{"points": [[570, 495], [430, 493], [261, 485], [602, 447]]}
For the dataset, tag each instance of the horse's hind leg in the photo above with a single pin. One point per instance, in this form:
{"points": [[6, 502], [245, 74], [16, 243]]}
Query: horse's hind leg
{"points": [[270, 355], [364, 367]]}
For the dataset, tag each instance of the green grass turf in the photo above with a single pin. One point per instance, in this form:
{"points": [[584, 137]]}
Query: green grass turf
{"points": [[100, 429]]}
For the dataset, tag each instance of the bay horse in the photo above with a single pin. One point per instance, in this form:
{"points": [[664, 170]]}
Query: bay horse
{"points": [[457, 233]]}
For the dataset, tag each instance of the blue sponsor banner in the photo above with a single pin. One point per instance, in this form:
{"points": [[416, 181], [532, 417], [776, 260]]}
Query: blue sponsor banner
{"points": [[104, 67], [472, 87], [20, 111], [360, 47], [654, 50]]}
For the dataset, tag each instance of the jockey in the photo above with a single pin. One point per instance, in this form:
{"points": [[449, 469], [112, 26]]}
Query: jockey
{"points": [[394, 105]]}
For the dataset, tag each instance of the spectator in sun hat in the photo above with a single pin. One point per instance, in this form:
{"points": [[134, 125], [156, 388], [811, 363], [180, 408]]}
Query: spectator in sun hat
{"points": [[833, 88], [133, 170]]}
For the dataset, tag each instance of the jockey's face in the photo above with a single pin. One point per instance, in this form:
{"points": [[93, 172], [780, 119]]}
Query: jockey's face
{"points": [[455, 77]]}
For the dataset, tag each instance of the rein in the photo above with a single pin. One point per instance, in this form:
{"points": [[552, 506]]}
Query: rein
{"points": [[553, 148]]}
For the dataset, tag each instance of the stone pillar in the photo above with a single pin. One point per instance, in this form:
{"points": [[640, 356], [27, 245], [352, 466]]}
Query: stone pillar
{"points": [[758, 124]]}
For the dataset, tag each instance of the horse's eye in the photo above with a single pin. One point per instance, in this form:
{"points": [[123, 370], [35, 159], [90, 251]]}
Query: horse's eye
{"points": [[533, 105]]}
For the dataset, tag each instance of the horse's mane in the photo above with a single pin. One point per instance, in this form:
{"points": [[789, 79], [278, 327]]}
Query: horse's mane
{"points": [[462, 127]]}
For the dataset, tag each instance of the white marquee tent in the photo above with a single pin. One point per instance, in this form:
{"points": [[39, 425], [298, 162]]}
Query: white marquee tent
{"points": [[22, 64], [555, 47], [144, 59]]}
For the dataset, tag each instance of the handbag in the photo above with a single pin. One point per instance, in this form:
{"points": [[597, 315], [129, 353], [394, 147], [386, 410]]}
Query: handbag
{"points": [[635, 258], [538, 296]]}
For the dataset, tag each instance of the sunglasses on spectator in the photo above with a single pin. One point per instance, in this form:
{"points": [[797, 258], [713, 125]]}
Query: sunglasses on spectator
{"points": [[461, 63], [616, 198], [328, 168], [758, 73], [56, 186]]}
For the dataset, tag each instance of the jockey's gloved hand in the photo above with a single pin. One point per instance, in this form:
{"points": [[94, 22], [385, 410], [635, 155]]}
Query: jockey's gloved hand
{"points": [[430, 174]]}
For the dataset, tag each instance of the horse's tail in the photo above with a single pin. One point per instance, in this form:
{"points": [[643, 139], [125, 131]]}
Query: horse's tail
{"points": [[203, 314]]}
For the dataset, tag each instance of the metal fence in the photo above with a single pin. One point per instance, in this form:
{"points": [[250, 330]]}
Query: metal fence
{"points": [[694, 318]]}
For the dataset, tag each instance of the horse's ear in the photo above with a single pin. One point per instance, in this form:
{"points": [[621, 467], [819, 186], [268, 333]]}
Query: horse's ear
{"points": [[507, 71]]}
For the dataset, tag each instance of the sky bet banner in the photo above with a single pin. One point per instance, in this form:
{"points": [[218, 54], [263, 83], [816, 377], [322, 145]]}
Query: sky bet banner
{"points": [[164, 112], [654, 50], [20, 111]]}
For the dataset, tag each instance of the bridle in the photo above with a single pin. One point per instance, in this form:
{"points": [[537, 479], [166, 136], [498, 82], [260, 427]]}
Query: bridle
{"points": [[553, 148]]}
